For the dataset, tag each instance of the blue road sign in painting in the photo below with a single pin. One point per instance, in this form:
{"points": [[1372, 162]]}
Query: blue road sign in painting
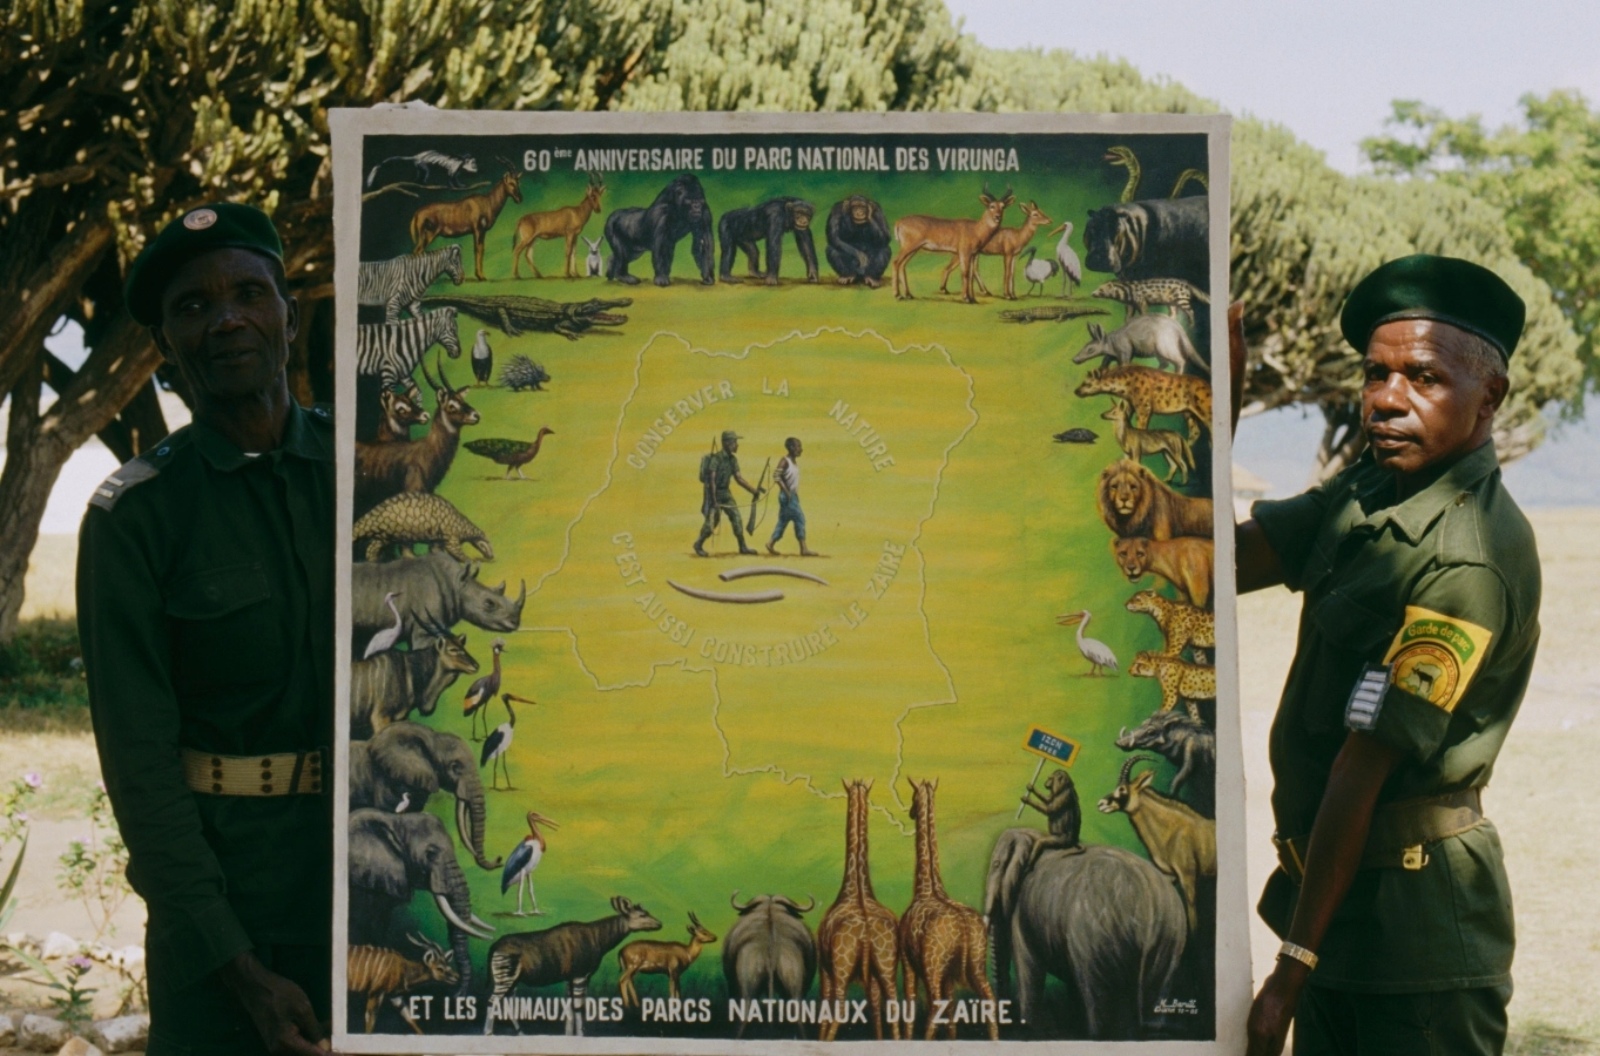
{"points": [[1063, 750]]}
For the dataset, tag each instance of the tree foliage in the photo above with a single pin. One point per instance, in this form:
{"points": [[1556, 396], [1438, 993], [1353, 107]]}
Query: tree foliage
{"points": [[1542, 176], [116, 115]]}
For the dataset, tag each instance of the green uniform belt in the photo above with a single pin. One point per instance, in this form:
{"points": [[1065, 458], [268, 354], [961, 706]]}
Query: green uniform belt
{"points": [[1400, 832], [253, 775]]}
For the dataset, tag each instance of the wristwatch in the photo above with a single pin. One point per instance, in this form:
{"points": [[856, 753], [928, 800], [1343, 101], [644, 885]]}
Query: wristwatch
{"points": [[1299, 953]]}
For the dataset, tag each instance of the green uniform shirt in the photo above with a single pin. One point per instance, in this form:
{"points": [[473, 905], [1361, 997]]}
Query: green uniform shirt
{"points": [[1383, 581], [722, 466], [205, 608]]}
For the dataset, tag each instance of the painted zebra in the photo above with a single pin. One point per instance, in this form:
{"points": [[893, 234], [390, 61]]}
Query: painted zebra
{"points": [[401, 282], [378, 972], [391, 351]]}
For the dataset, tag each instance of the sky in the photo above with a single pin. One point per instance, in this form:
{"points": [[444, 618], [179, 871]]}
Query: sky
{"points": [[1328, 71]]}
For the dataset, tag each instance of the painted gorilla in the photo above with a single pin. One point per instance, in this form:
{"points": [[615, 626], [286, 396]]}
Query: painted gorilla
{"points": [[680, 209], [743, 229], [858, 240]]}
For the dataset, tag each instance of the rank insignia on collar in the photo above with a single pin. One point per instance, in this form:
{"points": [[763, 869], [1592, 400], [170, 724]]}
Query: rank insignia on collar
{"points": [[1366, 700]]}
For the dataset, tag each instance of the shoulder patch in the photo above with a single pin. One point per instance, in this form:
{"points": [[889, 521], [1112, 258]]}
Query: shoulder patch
{"points": [[1435, 656], [127, 476]]}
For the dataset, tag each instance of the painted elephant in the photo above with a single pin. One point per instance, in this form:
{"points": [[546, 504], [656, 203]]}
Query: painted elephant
{"points": [[391, 856], [406, 762]]}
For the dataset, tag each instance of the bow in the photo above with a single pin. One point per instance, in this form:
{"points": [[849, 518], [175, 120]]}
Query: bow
{"points": [[750, 525]]}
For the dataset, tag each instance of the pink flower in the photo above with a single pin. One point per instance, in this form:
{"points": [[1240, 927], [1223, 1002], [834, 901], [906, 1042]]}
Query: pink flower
{"points": [[81, 963], [33, 779], [21, 816]]}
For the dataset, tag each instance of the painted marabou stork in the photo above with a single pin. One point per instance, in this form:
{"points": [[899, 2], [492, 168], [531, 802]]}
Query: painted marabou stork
{"points": [[498, 743], [481, 692], [385, 639], [1101, 658], [522, 861]]}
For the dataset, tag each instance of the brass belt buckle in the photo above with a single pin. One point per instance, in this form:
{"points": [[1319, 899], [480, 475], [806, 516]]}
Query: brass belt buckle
{"points": [[1413, 858]]}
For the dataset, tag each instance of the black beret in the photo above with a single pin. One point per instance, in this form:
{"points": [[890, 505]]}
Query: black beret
{"points": [[218, 225], [1448, 289]]}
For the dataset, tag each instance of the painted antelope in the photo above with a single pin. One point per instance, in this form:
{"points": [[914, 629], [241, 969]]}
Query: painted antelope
{"points": [[473, 215], [567, 222], [383, 469], [963, 239], [400, 413], [1182, 843], [672, 959], [378, 972], [1007, 244]]}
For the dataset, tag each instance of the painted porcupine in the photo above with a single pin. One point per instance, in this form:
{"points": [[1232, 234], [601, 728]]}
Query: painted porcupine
{"points": [[520, 373]]}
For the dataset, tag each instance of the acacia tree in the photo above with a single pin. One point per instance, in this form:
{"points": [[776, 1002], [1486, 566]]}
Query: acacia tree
{"points": [[116, 115]]}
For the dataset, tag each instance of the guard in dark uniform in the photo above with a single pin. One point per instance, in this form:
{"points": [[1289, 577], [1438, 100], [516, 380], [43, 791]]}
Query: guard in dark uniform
{"points": [[205, 607], [718, 472], [1417, 637]]}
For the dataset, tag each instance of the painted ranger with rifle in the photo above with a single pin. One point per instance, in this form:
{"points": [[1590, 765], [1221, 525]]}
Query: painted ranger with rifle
{"points": [[718, 471]]}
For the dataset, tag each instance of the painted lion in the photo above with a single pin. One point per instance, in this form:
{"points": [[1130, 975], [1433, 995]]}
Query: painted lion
{"points": [[1134, 502]]}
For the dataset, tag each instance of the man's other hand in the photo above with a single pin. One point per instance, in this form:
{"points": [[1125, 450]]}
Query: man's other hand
{"points": [[1273, 1009], [277, 1006]]}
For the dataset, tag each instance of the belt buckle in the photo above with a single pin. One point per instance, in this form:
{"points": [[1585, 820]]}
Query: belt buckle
{"points": [[1413, 858]]}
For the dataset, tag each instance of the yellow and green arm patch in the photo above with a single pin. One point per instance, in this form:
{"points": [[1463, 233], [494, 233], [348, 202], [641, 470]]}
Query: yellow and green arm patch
{"points": [[1435, 656]]}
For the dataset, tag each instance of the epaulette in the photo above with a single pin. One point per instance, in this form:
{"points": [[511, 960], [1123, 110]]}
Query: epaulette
{"points": [[130, 474]]}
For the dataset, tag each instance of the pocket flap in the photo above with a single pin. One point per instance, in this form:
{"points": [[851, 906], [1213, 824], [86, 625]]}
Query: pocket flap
{"points": [[218, 591], [1351, 626]]}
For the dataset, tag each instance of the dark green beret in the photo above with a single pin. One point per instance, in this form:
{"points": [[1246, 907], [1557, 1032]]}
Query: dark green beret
{"points": [[217, 225], [1424, 286]]}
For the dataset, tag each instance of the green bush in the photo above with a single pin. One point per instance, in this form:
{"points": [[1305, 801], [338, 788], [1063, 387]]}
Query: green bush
{"points": [[42, 667]]}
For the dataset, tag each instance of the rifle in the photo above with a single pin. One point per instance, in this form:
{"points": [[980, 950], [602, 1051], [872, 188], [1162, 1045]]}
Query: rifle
{"points": [[755, 497], [708, 482]]}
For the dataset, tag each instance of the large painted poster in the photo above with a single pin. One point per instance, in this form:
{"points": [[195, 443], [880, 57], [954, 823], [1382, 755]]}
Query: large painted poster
{"points": [[780, 584]]}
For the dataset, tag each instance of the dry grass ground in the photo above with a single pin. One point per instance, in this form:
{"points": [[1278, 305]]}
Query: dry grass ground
{"points": [[1538, 798]]}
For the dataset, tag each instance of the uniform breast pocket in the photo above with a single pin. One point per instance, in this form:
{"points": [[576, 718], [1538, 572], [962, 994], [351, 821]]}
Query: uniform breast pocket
{"points": [[1351, 635], [225, 629]]}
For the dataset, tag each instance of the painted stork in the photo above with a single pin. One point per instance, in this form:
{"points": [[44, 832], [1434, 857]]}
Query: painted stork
{"points": [[1071, 267], [384, 640], [498, 743], [1037, 272], [522, 861], [1101, 658], [482, 692]]}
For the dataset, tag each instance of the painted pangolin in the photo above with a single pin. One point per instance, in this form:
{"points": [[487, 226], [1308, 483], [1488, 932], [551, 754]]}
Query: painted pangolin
{"points": [[413, 517]]}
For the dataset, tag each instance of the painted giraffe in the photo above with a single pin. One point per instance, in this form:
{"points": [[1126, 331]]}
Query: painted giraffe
{"points": [[945, 943], [856, 941]]}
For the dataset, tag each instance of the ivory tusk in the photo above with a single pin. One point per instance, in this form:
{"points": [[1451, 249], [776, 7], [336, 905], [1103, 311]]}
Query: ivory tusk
{"points": [[732, 599], [769, 570], [481, 923], [450, 915]]}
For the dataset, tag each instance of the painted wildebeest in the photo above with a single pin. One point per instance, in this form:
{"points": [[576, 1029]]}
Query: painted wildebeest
{"points": [[1104, 921], [1161, 238], [567, 953], [769, 951], [431, 591]]}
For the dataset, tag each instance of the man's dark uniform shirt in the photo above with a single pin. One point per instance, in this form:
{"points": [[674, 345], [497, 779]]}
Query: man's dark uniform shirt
{"points": [[1443, 586], [205, 605]]}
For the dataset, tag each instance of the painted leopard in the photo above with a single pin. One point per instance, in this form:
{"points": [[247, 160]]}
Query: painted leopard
{"points": [[1147, 391], [1180, 680], [1139, 294], [1181, 625], [413, 517]]}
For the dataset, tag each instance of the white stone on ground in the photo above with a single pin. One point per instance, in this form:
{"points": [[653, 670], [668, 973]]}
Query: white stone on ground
{"points": [[42, 1034], [59, 944], [8, 1030], [79, 1047], [123, 1034]]}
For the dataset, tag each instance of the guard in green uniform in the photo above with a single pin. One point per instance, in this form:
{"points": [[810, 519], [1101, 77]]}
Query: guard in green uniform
{"points": [[205, 607], [1417, 637], [718, 471]]}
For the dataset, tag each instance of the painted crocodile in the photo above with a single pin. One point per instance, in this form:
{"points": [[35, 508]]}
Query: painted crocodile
{"points": [[419, 517]]}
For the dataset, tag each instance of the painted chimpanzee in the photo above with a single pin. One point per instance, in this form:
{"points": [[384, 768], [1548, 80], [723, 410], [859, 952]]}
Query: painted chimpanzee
{"points": [[680, 209], [858, 240], [744, 228]]}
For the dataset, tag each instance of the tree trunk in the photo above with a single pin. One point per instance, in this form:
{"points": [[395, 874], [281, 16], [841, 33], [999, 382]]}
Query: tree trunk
{"points": [[1342, 441], [38, 445]]}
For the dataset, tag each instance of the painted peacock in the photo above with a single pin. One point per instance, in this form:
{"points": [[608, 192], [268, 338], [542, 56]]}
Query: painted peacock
{"points": [[513, 454]]}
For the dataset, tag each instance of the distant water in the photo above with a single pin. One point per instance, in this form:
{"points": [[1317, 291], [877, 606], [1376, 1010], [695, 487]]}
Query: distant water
{"points": [[1280, 446]]}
